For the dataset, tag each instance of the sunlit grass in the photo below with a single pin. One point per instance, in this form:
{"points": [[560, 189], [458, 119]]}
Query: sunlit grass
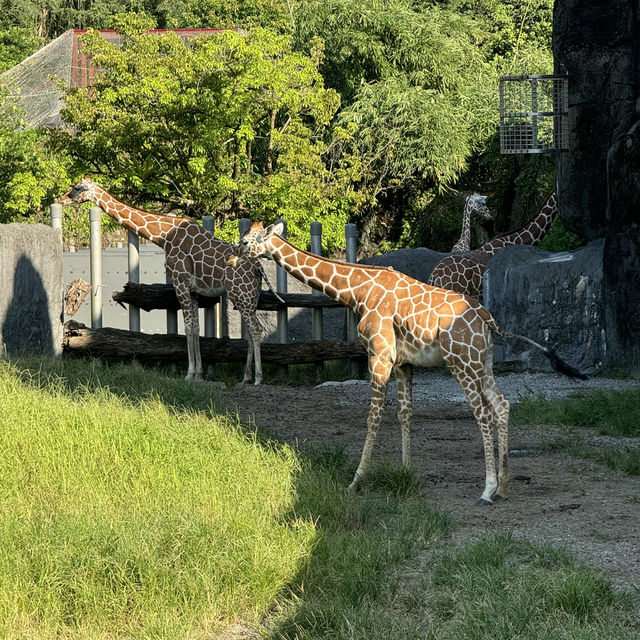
{"points": [[121, 512]]}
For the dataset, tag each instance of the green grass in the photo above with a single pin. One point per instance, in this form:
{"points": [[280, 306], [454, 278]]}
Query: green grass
{"points": [[607, 413], [132, 507], [615, 413], [122, 510], [297, 375]]}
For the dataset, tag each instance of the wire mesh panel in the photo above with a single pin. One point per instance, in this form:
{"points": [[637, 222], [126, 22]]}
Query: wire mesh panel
{"points": [[533, 113], [33, 83]]}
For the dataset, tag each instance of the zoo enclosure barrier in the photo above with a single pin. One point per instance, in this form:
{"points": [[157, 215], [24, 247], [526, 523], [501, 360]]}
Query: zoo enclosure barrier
{"points": [[214, 325]]}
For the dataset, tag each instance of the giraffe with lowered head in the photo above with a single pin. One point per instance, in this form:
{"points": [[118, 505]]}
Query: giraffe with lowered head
{"points": [[404, 322], [462, 272], [475, 204], [196, 262]]}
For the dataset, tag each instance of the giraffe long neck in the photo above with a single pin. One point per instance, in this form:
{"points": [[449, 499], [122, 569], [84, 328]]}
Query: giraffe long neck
{"points": [[346, 283], [464, 242], [151, 226], [531, 233]]}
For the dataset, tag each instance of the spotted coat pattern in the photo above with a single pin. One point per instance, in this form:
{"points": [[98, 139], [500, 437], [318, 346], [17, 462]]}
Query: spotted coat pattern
{"points": [[404, 322], [463, 272], [196, 262], [475, 204]]}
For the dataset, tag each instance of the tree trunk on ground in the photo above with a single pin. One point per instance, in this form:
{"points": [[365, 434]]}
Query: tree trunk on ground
{"points": [[119, 344]]}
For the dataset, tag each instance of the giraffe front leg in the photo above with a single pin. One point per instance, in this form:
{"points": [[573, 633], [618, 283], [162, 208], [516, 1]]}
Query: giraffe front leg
{"points": [[404, 375], [192, 331], [380, 369], [254, 331]]}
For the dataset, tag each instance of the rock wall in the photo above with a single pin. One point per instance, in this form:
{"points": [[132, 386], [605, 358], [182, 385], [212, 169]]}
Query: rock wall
{"points": [[557, 299], [417, 263], [31, 296], [598, 44]]}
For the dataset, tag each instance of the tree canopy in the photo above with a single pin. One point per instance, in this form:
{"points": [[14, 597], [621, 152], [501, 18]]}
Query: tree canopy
{"points": [[369, 110]]}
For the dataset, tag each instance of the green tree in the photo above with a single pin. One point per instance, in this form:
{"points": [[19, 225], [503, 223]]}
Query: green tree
{"points": [[419, 95], [31, 174], [221, 125]]}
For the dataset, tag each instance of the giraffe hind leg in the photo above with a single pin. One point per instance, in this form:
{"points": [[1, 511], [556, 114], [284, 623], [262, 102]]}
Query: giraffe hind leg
{"points": [[254, 332], [470, 378], [499, 407]]}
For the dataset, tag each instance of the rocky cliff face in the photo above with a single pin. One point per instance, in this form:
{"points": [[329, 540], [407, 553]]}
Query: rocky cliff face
{"points": [[598, 181], [598, 44]]}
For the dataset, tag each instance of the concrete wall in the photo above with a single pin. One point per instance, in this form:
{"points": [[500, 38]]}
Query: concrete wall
{"points": [[31, 295]]}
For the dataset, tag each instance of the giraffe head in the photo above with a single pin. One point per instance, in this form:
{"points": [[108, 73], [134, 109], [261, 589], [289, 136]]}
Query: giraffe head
{"points": [[254, 243], [477, 204], [83, 191]]}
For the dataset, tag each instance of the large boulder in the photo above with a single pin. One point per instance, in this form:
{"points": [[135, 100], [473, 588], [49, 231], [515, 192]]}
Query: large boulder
{"points": [[31, 296], [556, 299], [417, 263]]}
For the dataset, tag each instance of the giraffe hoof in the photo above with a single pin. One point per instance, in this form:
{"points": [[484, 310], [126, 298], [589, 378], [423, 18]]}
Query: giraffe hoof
{"points": [[483, 502]]}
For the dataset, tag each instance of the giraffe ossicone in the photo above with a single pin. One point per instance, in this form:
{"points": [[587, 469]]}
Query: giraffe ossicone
{"points": [[196, 262], [405, 322]]}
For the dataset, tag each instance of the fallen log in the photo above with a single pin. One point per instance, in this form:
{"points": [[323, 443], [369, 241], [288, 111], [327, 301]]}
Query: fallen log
{"points": [[119, 344], [163, 296]]}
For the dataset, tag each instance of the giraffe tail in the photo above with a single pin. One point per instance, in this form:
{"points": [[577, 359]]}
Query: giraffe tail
{"points": [[558, 363]]}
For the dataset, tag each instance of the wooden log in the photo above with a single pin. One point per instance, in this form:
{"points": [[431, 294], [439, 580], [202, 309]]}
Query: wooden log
{"points": [[120, 344], [162, 296]]}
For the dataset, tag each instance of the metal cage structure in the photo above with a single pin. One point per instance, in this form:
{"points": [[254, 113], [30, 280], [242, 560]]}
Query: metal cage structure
{"points": [[534, 114]]}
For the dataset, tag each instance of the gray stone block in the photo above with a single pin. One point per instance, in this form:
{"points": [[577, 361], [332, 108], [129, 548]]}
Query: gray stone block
{"points": [[31, 296], [417, 263]]}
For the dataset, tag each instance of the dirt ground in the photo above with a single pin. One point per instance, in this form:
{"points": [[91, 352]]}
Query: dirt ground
{"points": [[553, 497]]}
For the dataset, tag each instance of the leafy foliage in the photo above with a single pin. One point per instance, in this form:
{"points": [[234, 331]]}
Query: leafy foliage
{"points": [[30, 173], [410, 113], [222, 124]]}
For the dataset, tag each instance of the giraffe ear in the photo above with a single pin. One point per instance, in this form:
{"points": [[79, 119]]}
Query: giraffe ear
{"points": [[277, 228]]}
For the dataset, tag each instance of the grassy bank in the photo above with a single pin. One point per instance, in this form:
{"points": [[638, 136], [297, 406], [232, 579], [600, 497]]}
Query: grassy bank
{"points": [[132, 507], [615, 414], [123, 512]]}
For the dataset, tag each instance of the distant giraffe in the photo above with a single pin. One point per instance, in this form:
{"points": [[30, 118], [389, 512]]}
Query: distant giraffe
{"points": [[196, 262], [405, 322], [462, 272], [475, 204]]}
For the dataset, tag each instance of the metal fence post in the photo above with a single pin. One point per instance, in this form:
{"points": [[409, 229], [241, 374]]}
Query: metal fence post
{"points": [[243, 227], [133, 257], [283, 314], [95, 245], [211, 314], [317, 322], [56, 215], [351, 319]]}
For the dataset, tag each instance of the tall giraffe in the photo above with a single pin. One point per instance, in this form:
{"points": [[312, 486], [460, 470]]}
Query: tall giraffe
{"points": [[463, 272], [196, 262], [475, 204], [405, 322]]}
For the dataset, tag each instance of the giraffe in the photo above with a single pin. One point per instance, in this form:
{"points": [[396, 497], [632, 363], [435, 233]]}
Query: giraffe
{"points": [[405, 322], [463, 272], [196, 262], [473, 204]]}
